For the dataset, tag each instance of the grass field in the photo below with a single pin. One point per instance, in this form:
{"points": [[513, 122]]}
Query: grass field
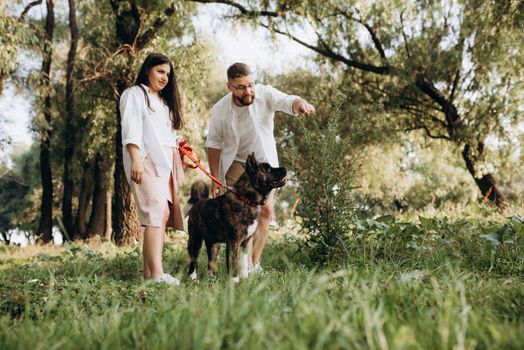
{"points": [[409, 283]]}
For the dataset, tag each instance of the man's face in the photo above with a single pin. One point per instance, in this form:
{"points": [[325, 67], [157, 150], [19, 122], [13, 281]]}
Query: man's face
{"points": [[243, 89]]}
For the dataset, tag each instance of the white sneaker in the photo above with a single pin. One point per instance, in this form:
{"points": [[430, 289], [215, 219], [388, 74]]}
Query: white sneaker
{"points": [[257, 269], [167, 278]]}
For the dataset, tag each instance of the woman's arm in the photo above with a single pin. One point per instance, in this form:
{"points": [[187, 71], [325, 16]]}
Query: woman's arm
{"points": [[137, 167]]}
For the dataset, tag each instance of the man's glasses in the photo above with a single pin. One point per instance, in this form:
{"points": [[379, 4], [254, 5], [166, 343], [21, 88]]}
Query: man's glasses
{"points": [[243, 87]]}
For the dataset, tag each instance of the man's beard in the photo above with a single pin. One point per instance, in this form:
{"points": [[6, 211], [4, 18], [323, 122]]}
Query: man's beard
{"points": [[243, 101]]}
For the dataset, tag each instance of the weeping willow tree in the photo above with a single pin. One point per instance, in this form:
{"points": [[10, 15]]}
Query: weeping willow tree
{"points": [[452, 69]]}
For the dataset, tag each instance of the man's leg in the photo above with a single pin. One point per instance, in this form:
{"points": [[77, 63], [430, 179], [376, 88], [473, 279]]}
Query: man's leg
{"points": [[260, 237]]}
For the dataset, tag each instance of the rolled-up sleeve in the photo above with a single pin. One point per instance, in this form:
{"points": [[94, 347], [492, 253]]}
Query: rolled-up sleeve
{"points": [[131, 105], [215, 132], [279, 101]]}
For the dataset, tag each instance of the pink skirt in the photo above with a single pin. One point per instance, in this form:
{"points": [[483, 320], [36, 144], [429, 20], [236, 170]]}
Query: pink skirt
{"points": [[156, 192]]}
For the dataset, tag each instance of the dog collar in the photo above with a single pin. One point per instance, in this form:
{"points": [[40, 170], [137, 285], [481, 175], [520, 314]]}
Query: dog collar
{"points": [[247, 200]]}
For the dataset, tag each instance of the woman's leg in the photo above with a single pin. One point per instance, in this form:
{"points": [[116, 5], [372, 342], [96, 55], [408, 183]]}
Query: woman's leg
{"points": [[153, 246], [147, 272]]}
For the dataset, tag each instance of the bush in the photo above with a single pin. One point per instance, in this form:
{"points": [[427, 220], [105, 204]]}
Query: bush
{"points": [[325, 171]]}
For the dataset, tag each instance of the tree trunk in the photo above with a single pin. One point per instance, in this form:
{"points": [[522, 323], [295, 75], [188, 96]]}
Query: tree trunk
{"points": [[126, 225], [6, 237], [487, 184], [45, 226], [67, 211], [108, 229], [83, 201], [98, 220]]}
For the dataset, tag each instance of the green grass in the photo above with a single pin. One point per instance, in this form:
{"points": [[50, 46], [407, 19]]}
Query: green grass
{"points": [[418, 284]]}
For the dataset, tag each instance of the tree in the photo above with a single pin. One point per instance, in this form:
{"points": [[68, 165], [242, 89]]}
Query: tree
{"points": [[14, 35], [67, 210], [46, 210], [12, 195], [452, 69]]}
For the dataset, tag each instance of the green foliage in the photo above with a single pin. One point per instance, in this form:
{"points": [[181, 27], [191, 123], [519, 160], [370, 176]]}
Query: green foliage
{"points": [[13, 193], [451, 69], [436, 295], [492, 246], [324, 175]]}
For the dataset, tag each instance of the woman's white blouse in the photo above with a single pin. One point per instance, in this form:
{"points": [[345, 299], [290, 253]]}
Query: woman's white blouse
{"points": [[149, 129]]}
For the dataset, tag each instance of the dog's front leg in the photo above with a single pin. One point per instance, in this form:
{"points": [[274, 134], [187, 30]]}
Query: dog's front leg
{"points": [[233, 248], [244, 258]]}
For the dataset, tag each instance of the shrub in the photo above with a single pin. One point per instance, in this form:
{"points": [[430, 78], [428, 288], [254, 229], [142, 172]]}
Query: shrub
{"points": [[325, 171]]}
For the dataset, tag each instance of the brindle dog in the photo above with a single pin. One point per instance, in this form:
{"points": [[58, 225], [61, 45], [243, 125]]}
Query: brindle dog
{"points": [[226, 219]]}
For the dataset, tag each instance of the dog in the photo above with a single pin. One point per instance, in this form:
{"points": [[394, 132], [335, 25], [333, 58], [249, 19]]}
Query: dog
{"points": [[226, 218], [199, 191]]}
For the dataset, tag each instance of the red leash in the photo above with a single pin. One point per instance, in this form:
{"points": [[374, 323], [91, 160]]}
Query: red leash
{"points": [[186, 150]]}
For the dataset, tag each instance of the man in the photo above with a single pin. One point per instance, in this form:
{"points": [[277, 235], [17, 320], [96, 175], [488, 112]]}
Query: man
{"points": [[241, 123]]}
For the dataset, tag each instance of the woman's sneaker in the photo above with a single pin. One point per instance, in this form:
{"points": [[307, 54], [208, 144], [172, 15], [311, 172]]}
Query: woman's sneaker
{"points": [[167, 278]]}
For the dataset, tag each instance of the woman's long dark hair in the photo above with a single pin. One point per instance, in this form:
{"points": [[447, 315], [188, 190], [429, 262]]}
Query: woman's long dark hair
{"points": [[170, 93]]}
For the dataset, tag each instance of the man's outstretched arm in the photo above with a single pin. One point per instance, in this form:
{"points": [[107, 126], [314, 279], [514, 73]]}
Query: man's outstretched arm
{"points": [[302, 107]]}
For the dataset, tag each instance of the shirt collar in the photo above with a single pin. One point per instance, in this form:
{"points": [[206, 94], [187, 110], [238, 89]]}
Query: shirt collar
{"points": [[146, 88]]}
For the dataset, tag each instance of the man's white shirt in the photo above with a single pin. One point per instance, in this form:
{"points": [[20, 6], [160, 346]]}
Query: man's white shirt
{"points": [[228, 127]]}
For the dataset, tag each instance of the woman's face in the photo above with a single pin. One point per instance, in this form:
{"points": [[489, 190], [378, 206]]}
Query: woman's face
{"points": [[158, 76]]}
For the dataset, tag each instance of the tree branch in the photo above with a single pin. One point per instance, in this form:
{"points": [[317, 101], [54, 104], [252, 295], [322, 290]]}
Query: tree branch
{"points": [[27, 8], [454, 86], [428, 132], [371, 31], [404, 36], [242, 9], [327, 52], [149, 34], [450, 111]]}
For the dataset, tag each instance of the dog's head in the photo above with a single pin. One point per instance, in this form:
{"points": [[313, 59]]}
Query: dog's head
{"points": [[263, 177]]}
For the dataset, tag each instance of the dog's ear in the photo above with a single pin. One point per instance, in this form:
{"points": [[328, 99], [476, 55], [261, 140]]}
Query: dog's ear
{"points": [[251, 164]]}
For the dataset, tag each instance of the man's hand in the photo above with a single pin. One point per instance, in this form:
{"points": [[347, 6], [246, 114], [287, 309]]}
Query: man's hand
{"points": [[213, 156], [215, 190], [303, 108]]}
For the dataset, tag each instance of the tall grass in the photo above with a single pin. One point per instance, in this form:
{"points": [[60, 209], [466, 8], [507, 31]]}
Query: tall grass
{"points": [[464, 295]]}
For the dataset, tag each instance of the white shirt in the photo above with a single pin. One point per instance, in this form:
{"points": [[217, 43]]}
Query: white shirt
{"points": [[248, 141], [149, 129], [224, 131]]}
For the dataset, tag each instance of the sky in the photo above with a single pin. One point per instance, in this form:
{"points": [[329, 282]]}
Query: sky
{"points": [[233, 44]]}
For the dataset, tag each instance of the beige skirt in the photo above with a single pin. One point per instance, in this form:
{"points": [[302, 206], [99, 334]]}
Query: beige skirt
{"points": [[156, 192]]}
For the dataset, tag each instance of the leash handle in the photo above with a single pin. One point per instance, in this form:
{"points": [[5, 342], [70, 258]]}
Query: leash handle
{"points": [[186, 150]]}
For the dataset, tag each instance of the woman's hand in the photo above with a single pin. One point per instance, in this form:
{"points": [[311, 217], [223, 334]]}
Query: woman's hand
{"points": [[137, 167], [137, 171]]}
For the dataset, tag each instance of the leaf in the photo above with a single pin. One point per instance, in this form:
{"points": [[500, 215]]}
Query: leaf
{"points": [[492, 238], [387, 219], [428, 224]]}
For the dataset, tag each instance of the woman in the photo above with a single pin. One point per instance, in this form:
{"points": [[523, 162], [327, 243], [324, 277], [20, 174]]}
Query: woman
{"points": [[151, 114]]}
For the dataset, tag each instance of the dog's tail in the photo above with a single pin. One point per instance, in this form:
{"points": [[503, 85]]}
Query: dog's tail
{"points": [[199, 191]]}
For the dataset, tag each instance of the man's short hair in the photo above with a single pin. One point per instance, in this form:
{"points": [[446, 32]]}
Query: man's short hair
{"points": [[238, 70]]}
